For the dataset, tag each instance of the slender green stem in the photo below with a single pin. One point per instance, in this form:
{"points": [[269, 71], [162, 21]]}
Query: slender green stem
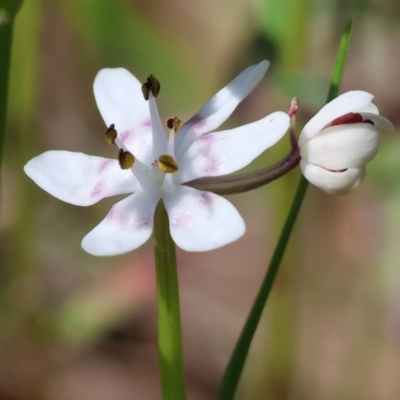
{"points": [[8, 9], [235, 366], [168, 313]]}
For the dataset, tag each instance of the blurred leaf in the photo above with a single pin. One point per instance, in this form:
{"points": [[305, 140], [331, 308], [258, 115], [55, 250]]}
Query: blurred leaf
{"points": [[287, 22], [25, 59], [119, 36], [310, 91], [8, 8], [88, 315]]}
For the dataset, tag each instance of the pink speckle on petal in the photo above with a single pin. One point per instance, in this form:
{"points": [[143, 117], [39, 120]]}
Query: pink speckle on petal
{"points": [[146, 123], [142, 221], [200, 126], [207, 139], [212, 166], [197, 124], [125, 135], [97, 190], [179, 220], [206, 198], [114, 215], [104, 165]]}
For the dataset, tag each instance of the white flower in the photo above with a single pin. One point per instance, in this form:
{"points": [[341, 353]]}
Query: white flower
{"points": [[338, 142], [159, 167]]}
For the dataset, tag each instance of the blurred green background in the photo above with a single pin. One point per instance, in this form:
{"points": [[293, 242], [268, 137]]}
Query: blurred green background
{"points": [[75, 327]]}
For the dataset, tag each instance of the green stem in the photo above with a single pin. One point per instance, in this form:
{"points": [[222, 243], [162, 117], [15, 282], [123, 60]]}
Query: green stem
{"points": [[168, 314], [6, 31], [234, 369], [235, 366]]}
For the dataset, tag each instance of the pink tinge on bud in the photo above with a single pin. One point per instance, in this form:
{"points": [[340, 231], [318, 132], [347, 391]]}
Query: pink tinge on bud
{"points": [[294, 105], [350, 118]]}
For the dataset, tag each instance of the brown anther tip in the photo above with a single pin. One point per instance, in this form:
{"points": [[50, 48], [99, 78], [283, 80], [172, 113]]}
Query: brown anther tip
{"points": [[153, 85], [146, 90], [111, 134], [125, 159], [174, 123], [167, 164]]}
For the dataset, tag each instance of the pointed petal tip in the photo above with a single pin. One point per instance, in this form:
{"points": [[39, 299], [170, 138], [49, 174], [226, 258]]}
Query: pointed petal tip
{"points": [[78, 178], [263, 66]]}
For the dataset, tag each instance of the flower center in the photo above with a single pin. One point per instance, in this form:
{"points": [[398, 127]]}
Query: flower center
{"points": [[164, 163]]}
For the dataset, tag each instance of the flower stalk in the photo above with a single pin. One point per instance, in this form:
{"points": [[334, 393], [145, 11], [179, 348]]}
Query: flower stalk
{"points": [[244, 182], [168, 310]]}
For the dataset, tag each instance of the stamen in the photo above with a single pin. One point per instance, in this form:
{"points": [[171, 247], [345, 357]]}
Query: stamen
{"points": [[151, 85], [167, 164], [126, 159], [111, 134], [174, 123]]}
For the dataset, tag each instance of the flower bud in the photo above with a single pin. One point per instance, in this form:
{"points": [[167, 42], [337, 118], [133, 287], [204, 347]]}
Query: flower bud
{"points": [[338, 142]]}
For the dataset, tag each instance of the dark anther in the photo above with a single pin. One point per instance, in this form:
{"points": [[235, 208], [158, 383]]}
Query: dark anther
{"points": [[174, 123], [111, 134], [126, 159], [151, 85]]}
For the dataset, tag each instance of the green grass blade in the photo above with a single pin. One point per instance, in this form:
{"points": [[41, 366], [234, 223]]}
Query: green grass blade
{"points": [[8, 10]]}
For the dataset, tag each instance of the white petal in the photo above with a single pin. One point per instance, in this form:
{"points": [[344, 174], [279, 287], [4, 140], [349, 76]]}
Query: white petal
{"points": [[120, 100], [343, 146], [343, 104], [221, 106], [369, 108], [333, 182], [220, 153], [79, 179], [201, 221], [379, 122], [127, 226]]}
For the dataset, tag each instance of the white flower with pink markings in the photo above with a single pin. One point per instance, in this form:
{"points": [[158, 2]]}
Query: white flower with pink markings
{"points": [[158, 166], [338, 142]]}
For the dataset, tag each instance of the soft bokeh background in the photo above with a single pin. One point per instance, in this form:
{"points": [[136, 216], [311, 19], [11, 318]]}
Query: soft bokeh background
{"points": [[75, 327]]}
